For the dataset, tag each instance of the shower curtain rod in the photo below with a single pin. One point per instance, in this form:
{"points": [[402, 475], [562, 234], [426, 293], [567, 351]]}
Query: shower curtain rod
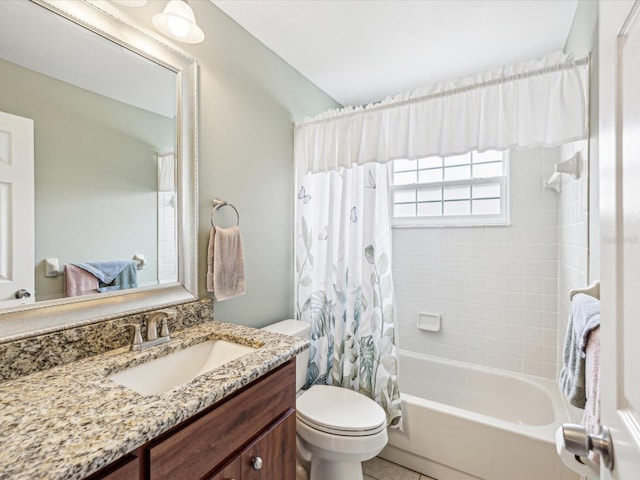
{"points": [[445, 93]]}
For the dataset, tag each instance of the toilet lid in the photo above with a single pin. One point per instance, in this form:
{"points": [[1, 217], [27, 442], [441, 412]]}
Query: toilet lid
{"points": [[340, 411]]}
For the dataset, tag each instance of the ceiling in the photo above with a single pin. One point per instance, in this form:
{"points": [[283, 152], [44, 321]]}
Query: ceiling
{"points": [[361, 51]]}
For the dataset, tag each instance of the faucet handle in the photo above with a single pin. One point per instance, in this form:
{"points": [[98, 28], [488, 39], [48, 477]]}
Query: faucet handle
{"points": [[152, 329], [164, 327], [163, 316], [137, 336]]}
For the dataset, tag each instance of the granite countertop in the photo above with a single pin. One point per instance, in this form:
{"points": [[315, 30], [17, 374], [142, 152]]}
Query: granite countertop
{"points": [[71, 420]]}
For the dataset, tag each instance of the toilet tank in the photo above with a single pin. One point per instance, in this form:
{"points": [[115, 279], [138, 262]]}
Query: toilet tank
{"points": [[295, 328]]}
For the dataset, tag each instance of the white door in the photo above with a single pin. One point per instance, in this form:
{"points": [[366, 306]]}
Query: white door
{"points": [[16, 210], [619, 156]]}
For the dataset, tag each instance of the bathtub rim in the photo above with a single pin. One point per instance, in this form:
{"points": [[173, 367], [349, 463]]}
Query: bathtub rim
{"points": [[546, 433]]}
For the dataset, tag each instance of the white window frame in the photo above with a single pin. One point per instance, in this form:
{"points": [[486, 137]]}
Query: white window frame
{"points": [[502, 219]]}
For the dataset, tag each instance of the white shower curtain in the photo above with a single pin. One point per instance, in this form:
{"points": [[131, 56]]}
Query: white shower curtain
{"points": [[344, 286], [343, 247]]}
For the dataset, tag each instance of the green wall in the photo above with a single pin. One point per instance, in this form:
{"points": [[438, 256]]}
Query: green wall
{"points": [[95, 173], [249, 98]]}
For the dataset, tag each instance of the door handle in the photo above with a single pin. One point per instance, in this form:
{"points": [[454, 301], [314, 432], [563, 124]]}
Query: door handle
{"points": [[23, 293], [580, 443]]}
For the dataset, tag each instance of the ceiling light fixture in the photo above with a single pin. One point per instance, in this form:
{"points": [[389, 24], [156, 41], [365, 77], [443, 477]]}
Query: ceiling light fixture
{"points": [[178, 22]]}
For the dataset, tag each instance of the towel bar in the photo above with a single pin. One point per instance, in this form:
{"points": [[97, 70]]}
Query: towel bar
{"points": [[52, 265], [592, 290], [570, 167], [218, 204]]}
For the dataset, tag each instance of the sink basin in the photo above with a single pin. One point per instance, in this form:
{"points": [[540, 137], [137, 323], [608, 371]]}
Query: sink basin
{"points": [[179, 367]]}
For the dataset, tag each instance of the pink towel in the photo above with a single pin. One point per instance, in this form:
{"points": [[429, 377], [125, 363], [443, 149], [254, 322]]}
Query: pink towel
{"points": [[591, 415], [225, 263], [78, 281]]}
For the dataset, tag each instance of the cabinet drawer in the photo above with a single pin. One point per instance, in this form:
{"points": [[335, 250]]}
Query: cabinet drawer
{"points": [[197, 448]]}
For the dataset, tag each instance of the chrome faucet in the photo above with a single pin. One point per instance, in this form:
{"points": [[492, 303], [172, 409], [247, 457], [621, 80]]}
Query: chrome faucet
{"points": [[152, 330]]}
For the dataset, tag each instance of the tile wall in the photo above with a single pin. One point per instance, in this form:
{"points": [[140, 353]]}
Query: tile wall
{"points": [[573, 248], [496, 288], [167, 238]]}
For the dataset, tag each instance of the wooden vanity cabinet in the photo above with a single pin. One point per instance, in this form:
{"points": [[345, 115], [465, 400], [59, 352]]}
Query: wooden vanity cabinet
{"points": [[224, 441], [200, 445]]}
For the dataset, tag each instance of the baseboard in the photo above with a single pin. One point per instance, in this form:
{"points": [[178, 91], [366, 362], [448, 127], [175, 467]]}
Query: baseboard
{"points": [[422, 465]]}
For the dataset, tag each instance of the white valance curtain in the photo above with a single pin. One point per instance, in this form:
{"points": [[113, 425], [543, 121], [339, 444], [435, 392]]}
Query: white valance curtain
{"points": [[537, 103]]}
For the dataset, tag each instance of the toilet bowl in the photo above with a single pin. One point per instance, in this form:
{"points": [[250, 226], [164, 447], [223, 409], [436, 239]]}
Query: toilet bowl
{"points": [[336, 428]]}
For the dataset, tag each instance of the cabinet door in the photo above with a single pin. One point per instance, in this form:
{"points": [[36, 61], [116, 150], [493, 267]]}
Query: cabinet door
{"points": [[124, 469], [233, 471], [273, 454]]}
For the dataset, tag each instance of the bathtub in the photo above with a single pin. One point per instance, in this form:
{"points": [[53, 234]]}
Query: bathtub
{"points": [[463, 422]]}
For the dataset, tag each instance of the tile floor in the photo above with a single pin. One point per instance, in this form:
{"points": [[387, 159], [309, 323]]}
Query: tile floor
{"points": [[380, 469]]}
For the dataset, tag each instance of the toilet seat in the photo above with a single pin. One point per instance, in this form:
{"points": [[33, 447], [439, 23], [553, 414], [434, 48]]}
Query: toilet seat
{"points": [[340, 411]]}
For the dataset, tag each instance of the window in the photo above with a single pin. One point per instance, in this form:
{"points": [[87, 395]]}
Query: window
{"points": [[469, 189]]}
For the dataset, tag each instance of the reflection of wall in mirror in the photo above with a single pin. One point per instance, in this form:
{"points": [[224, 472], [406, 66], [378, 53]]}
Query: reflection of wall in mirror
{"points": [[167, 219], [96, 173]]}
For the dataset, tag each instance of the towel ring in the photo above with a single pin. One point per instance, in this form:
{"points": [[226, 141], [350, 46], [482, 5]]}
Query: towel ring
{"points": [[218, 204]]}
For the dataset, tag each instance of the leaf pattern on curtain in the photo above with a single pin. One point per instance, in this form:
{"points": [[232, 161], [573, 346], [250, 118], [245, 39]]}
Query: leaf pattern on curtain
{"points": [[344, 284]]}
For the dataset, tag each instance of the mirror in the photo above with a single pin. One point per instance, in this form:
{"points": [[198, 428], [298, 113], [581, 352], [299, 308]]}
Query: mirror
{"points": [[103, 119], [115, 160]]}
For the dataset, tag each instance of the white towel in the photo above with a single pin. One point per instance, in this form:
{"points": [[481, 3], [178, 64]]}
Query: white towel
{"points": [[584, 316], [225, 263]]}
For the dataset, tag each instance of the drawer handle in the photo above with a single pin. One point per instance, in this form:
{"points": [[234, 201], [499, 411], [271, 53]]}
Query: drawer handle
{"points": [[256, 463]]}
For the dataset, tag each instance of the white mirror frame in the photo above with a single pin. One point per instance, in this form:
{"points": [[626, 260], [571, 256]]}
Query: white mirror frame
{"points": [[54, 315]]}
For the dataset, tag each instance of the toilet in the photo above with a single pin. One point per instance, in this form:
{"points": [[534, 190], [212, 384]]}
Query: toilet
{"points": [[336, 428]]}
